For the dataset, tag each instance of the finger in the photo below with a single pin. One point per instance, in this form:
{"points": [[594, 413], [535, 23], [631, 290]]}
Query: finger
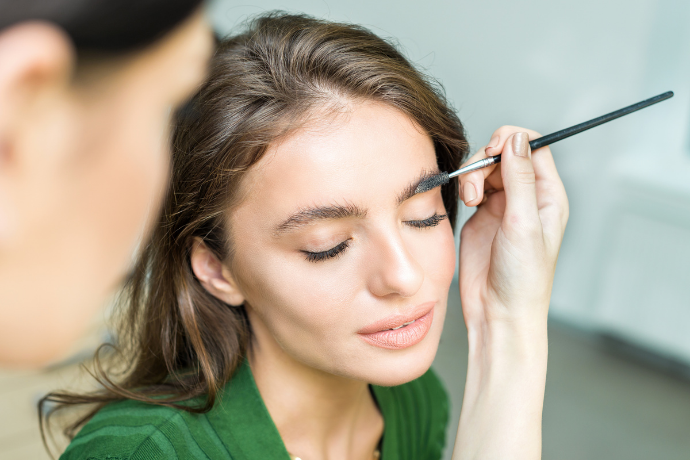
{"points": [[488, 178], [519, 182], [502, 134], [494, 182], [472, 184], [552, 199]]}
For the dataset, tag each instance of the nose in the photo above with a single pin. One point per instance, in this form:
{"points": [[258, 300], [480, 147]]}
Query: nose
{"points": [[393, 270]]}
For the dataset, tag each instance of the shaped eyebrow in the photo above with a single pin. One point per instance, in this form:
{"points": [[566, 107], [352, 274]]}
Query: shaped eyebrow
{"points": [[307, 216], [411, 189]]}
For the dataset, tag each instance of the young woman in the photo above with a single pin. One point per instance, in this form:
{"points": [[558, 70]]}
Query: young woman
{"points": [[292, 298]]}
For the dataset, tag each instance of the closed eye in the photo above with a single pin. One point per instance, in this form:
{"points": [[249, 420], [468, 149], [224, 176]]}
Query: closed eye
{"points": [[329, 254], [432, 221], [337, 250]]}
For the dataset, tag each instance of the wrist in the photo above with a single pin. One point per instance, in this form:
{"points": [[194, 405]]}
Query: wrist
{"points": [[513, 341], [504, 390], [507, 353]]}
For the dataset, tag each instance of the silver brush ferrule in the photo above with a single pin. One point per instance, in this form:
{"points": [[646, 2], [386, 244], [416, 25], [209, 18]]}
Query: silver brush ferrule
{"points": [[481, 164]]}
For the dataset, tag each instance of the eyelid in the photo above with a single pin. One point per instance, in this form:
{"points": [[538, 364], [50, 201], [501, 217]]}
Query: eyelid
{"points": [[338, 249], [327, 254], [432, 221]]}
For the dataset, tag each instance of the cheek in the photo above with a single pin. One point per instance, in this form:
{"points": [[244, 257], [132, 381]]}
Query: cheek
{"points": [[152, 166], [125, 186], [137, 175], [141, 150], [296, 299], [436, 254]]}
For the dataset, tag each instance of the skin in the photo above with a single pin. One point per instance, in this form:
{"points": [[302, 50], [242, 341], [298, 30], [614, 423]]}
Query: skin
{"points": [[508, 254], [310, 365], [306, 315], [84, 157]]}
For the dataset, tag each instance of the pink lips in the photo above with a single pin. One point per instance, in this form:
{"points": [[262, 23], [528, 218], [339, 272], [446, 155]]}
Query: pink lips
{"points": [[402, 330]]}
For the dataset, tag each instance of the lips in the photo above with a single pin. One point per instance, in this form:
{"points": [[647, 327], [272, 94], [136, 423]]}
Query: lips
{"points": [[401, 330]]}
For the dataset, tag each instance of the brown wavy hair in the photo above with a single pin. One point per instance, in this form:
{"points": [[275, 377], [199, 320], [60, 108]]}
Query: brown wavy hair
{"points": [[177, 342]]}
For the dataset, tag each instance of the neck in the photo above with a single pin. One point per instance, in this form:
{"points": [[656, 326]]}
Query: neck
{"points": [[318, 415]]}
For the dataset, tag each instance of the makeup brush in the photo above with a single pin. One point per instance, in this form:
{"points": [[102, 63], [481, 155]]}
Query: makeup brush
{"points": [[444, 177]]}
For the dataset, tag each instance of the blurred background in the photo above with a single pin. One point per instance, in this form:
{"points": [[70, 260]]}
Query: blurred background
{"points": [[619, 367]]}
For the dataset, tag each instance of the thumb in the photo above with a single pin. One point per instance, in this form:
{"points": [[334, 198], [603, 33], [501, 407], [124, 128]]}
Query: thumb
{"points": [[519, 183]]}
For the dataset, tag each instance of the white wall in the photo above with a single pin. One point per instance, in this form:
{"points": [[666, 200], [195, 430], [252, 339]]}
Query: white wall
{"points": [[548, 64]]}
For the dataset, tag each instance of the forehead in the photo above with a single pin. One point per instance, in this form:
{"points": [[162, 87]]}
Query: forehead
{"points": [[369, 152]]}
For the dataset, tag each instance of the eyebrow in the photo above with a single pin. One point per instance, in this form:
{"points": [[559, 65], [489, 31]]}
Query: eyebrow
{"points": [[309, 215], [411, 189]]}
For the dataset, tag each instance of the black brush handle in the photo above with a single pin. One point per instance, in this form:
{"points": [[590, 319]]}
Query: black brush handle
{"points": [[567, 132]]}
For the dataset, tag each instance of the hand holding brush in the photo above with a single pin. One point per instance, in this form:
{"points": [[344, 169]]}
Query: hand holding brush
{"points": [[508, 253], [540, 142]]}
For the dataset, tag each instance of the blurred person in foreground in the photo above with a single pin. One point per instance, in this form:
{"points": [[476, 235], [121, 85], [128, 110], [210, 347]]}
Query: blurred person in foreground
{"points": [[87, 89]]}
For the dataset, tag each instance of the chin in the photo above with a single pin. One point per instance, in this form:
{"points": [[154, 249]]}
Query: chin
{"points": [[36, 350]]}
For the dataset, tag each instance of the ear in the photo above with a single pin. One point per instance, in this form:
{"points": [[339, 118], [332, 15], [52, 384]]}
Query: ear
{"points": [[35, 52], [213, 275], [34, 56]]}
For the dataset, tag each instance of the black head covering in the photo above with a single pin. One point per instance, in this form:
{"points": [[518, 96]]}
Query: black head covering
{"points": [[103, 25]]}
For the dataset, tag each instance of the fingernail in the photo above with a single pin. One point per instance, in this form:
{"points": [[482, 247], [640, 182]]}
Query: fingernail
{"points": [[493, 142], [521, 144], [468, 192]]}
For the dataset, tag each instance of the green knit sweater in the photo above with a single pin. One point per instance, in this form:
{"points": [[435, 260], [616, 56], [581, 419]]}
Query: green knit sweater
{"points": [[239, 426]]}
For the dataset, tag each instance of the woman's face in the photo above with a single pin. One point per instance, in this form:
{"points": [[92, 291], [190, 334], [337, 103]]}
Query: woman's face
{"points": [[333, 249]]}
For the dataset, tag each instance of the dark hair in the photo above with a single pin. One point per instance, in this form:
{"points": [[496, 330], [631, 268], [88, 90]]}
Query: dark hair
{"points": [[180, 342], [110, 26]]}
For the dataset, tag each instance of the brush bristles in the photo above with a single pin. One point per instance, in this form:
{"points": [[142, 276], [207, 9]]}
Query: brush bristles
{"points": [[432, 182]]}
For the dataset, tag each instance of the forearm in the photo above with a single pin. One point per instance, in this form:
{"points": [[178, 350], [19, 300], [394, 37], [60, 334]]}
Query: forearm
{"points": [[508, 253], [504, 393]]}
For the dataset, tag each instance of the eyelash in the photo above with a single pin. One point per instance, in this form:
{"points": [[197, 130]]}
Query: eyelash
{"points": [[432, 221], [329, 254]]}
